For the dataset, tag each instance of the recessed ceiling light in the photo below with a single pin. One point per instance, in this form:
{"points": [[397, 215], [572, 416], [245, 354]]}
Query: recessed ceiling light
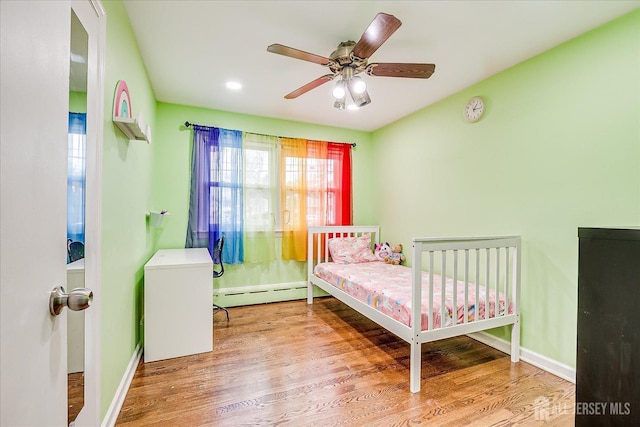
{"points": [[233, 85]]}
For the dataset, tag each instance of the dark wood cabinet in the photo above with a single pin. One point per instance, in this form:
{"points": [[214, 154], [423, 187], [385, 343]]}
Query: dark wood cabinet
{"points": [[608, 353]]}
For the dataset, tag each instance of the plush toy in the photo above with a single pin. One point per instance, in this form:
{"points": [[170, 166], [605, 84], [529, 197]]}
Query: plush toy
{"points": [[395, 257], [391, 254], [382, 251]]}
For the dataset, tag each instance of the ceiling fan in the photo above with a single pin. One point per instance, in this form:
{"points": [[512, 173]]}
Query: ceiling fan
{"points": [[351, 58]]}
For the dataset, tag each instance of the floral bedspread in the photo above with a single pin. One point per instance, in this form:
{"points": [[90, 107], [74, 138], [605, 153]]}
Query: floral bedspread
{"points": [[387, 288]]}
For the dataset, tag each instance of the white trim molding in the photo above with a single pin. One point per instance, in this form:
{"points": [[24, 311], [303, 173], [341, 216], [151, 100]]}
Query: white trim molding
{"points": [[554, 367], [260, 294], [111, 416], [238, 290]]}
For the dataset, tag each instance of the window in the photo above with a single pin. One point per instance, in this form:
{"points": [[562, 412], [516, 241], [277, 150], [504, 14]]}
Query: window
{"points": [[264, 185], [315, 190], [215, 207], [226, 187], [76, 158], [260, 183]]}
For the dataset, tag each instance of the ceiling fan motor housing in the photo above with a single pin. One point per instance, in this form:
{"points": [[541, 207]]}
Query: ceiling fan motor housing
{"points": [[343, 58]]}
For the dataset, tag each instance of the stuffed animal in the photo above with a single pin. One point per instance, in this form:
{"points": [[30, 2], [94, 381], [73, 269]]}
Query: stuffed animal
{"points": [[382, 251], [391, 254], [395, 257]]}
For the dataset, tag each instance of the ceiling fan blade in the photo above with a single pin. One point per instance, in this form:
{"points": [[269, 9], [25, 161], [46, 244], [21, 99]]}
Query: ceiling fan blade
{"points": [[311, 85], [298, 54], [380, 29], [390, 69]]}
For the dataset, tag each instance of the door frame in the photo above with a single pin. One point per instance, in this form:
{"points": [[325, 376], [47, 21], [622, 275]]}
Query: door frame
{"points": [[92, 15]]}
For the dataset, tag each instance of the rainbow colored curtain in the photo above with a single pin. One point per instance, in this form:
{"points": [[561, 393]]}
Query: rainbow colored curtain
{"points": [[260, 197], [215, 207], [234, 182], [315, 186]]}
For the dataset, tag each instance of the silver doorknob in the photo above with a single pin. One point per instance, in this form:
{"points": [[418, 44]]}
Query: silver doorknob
{"points": [[77, 300]]}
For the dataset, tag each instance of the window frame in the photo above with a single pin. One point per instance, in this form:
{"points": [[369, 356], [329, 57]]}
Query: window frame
{"points": [[273, 150], [275, 163]]}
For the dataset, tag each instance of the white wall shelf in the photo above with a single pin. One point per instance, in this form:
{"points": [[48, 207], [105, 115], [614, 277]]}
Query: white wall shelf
{"points": [[130, 128], [156, 218], [134, 129]]}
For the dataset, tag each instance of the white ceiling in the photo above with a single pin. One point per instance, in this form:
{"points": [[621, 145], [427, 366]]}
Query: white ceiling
{"points": [[191, 48], [79, 55]]}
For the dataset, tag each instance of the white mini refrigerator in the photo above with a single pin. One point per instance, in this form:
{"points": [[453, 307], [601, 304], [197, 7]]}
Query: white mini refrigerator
{"points": [[178, 303]]}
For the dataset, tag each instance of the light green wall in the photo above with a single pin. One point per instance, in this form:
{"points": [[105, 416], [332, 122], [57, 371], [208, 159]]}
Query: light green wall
{"points": [[77, 102], [171, 180], [127, 185], [558, 148]]}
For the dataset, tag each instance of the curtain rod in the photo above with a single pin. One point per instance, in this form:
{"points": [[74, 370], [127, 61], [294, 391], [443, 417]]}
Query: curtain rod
{"points": [[353, 144]]}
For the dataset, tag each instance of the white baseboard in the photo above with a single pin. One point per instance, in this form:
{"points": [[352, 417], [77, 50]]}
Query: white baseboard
{"points": [[554, 367], [260, 294], [121, 393], [252, 289]]}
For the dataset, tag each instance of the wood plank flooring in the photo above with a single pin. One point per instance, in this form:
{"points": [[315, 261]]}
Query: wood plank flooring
{"points": [[75, 394], [291, 364]]}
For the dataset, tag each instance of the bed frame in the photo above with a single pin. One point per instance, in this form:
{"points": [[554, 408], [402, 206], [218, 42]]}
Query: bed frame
{"points": [[469, 261]]}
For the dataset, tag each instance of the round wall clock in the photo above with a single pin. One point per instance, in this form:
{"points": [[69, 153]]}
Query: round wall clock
{"points": [[474, 109]]}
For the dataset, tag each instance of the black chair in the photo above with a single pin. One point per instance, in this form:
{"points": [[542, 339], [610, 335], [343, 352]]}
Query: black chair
{"points": [[217, 259], [75, 250]]}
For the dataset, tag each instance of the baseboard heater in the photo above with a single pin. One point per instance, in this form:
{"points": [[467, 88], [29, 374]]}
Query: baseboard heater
{"points": [[258, 294]]}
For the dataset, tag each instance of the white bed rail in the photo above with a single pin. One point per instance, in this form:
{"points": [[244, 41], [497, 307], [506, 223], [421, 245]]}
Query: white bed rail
{"points": [[487, 268], [469, 262], [318, 250]]}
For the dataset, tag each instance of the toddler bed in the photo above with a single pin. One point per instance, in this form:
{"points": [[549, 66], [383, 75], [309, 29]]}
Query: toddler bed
{"points": [[481, 288]]}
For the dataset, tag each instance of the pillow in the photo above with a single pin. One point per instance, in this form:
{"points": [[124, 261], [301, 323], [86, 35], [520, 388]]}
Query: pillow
{"points": [[351, 250]]}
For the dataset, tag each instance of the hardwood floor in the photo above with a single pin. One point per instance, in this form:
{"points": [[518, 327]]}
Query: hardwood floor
{"points": [[75, 394], [297, 365]]}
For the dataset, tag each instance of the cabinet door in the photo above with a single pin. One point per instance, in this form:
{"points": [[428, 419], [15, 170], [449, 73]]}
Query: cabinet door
{"points": [[608, 356]]}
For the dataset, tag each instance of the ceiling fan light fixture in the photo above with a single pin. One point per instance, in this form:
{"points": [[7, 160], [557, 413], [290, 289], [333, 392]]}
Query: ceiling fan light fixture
{"points": [[359, 99], [339, 90], [358, 85]]}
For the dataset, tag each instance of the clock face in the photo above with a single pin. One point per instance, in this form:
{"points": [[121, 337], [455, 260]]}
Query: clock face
{"points": [[474, 109]]}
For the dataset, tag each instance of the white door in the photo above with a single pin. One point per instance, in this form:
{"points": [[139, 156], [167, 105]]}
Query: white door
{"points": [[34, 91], [92, 17]]}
